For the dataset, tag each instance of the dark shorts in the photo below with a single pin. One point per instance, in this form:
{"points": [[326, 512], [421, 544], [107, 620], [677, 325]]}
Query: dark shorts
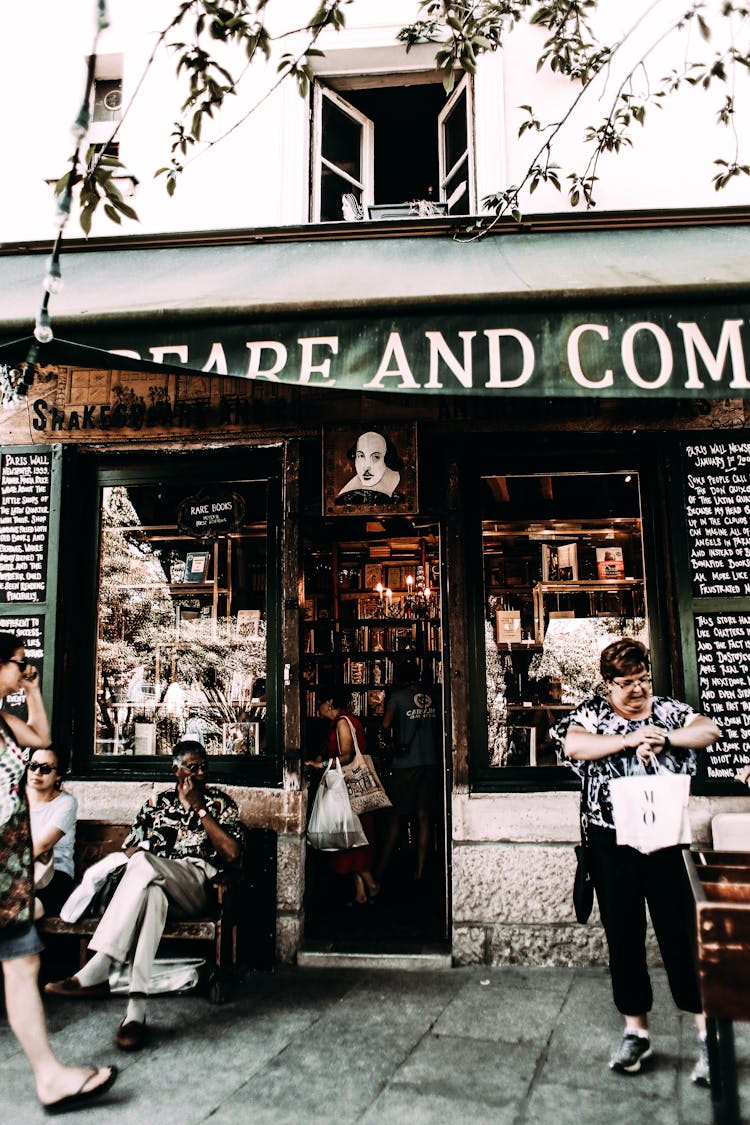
{"points": [[22, 946], [414, 789]]}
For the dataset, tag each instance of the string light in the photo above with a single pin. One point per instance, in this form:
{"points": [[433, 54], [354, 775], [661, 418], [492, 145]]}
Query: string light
{"points": [[43, 327], [53, 281]]}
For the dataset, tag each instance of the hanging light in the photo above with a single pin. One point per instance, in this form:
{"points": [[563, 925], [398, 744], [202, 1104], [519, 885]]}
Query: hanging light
{"points": [[64, 202], [80, 126], [53, 281], [43, 327]]}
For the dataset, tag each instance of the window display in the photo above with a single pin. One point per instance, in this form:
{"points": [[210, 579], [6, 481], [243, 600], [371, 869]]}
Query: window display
{"points": [[563, 577], [181, 642]]}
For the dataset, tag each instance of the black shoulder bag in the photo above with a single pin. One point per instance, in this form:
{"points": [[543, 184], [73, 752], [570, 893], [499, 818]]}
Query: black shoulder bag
{"points": [[583, 887]]}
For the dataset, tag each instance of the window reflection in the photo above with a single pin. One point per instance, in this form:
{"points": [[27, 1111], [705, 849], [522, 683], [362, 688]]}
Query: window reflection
{"points": [[181, 649], [563, 577]]}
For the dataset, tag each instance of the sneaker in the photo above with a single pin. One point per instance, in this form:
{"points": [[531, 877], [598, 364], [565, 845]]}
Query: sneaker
{"points": [[701, 1075], [633, 1050]]}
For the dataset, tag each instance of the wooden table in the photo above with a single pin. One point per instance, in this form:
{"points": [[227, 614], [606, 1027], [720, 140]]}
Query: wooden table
{"points": [[720, 882]]}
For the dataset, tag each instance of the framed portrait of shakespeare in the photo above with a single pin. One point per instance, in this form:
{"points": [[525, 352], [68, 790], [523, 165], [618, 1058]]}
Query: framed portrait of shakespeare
{"points": [[368, 471]]}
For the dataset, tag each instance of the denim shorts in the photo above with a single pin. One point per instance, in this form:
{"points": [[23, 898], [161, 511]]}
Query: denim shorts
{"points": [[21, 945]]}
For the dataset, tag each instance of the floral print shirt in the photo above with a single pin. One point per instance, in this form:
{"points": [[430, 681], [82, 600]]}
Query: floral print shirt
{"points": [[13, 762], [168, 830], [596, 716]]}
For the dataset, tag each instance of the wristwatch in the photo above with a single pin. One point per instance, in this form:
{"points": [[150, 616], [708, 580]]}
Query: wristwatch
{"points": [[202, 813]]}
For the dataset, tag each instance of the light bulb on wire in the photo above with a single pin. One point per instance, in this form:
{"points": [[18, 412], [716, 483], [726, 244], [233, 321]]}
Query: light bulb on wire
{"points": [[43, 327], [53, 281]]}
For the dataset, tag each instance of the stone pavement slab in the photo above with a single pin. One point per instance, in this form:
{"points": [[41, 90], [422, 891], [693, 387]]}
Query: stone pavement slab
{"points": [[381, 1047]]}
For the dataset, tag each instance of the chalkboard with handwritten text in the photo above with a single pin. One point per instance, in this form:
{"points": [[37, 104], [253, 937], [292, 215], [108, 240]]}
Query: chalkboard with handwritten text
{"points": [[717, 496], [30, 631], [25, 494], [722, 646]]}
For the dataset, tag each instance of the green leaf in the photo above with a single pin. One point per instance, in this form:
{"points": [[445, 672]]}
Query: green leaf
{"points": [[111, 213]]}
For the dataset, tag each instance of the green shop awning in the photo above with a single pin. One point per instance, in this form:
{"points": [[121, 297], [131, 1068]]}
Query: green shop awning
{"points": [[652, 313]]}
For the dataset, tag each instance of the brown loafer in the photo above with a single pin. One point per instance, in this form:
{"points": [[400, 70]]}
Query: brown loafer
{"points": [[74, 990], [131, 1036]]}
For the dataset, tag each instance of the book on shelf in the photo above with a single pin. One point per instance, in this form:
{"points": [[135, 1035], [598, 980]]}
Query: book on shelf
{"points": [[196, 567], [560, 562], [376, 701], [507, 626], [248, 623], [373, 574], [609, 562]]}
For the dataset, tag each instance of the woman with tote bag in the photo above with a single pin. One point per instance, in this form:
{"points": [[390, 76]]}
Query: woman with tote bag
{"points": [[606, 738], [344, 728]]}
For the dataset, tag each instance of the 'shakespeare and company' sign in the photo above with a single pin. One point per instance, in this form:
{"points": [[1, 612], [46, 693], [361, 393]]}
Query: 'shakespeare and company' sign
{"points": [[690, 352]]}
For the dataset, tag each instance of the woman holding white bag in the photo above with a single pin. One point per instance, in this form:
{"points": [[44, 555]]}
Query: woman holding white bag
{"points": [[612, 736], [343, 729]]}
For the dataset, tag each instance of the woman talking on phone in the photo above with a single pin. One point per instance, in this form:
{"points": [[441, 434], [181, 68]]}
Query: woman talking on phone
{"points": [[60, 1088]]}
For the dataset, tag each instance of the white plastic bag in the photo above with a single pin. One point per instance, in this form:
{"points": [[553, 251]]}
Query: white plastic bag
{"points": [[168, 974], [333, 826], [651, 809]]}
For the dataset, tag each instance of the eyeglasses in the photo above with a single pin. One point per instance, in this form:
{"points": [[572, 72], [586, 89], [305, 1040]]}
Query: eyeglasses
{"points": [[643, 682], [196, 767], [41, 767], [22, 665]]}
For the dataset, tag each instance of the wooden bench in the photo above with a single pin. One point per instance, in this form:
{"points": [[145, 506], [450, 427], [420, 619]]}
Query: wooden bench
{"points": [[217, 930]]}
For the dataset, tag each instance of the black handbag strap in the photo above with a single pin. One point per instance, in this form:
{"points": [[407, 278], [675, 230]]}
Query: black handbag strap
{"points": [[583, 807]]}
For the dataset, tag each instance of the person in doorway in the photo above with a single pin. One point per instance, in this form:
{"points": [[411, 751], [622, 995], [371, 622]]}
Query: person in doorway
{"points": [[378, 471], [177, 843], [53, 826], [411, 717], [609, 736], [357, 862], [60, 1088]]}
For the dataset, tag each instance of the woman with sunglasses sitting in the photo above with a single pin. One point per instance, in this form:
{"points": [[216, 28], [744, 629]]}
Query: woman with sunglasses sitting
{"points": [[53, 827]]}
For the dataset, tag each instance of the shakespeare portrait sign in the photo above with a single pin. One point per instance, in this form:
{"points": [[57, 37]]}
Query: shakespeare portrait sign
{"points": [[370, 470]]}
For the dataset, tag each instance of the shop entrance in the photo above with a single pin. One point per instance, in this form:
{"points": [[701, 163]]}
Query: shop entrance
{"points": [[372, 641]]}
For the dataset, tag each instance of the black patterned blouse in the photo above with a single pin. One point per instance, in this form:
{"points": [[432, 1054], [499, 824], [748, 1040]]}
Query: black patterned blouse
{"points": [[596, 716]]}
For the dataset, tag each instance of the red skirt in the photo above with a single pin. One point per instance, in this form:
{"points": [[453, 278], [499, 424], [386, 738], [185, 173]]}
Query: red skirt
{"points": [[356, 860]]}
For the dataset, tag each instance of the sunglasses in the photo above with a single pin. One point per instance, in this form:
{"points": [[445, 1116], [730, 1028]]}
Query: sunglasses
{"points": [[41, 767], [22, 665], [196, 767]]}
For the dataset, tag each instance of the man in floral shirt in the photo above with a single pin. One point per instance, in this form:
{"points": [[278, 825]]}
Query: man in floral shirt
{"points": [[177, 844]]}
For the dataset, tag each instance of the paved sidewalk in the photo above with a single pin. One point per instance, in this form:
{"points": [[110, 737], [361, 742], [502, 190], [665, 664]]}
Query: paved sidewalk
{"points": [[506, 1046]]}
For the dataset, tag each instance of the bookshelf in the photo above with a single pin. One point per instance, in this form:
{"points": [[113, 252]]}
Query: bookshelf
{"points": [[367, 608]]}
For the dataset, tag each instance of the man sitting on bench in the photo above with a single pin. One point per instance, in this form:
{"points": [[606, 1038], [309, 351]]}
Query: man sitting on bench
{"points": [[178, 842]]}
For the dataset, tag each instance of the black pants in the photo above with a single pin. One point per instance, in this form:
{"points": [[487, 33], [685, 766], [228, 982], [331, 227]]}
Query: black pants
{"points": [[625, 881], [55, 893]]}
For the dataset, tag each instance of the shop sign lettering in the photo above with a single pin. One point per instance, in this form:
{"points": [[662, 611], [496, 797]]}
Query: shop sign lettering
{"points": [[674, 353]]}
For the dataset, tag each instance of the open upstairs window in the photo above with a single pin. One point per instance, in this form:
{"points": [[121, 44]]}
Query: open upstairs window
{"points": [[391, 146]]}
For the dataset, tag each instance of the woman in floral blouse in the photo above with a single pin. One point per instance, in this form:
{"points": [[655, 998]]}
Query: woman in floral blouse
{"points": [[609, 736]]}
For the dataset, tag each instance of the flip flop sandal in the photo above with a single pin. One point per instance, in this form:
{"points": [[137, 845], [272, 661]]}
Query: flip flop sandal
{"points": [[84, 1097]]}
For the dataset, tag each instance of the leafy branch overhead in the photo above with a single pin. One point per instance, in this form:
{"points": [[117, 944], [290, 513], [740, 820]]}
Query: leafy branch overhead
{"points": [[711, 40]]}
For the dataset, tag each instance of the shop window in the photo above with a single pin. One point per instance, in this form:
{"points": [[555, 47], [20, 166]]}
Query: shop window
{"points": [[563, 577], [182, 612], [401, 147]]}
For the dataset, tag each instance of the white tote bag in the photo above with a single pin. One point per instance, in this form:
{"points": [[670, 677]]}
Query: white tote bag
{"points": [[651, 809], [333, 826]]}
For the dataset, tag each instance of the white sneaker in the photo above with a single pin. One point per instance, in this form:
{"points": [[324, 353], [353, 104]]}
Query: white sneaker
{"points": [[701, 1074]]}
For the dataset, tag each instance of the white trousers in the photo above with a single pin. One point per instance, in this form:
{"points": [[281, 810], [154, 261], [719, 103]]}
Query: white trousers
{"points": [[133, 923]]}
